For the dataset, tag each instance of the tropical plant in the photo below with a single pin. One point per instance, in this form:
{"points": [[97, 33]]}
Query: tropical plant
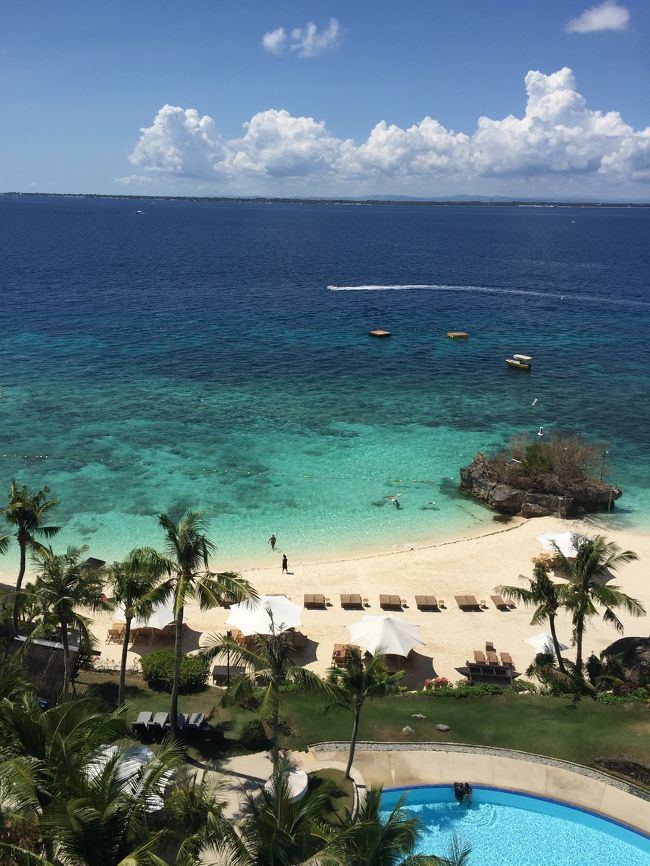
{"points": [[374, 840], [586, 590], [542, 594], [193, 816], [28, 511], [270, 667], [354, 683], [277, 831], [133, 584], [62, 585], [186, 563], [158, 671]]}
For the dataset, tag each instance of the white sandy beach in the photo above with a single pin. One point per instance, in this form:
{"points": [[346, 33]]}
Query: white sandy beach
{"points": [[472, 565]]}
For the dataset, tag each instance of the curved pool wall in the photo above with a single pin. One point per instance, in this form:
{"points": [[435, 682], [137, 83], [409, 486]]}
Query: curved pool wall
{"points": [[513, 829]]}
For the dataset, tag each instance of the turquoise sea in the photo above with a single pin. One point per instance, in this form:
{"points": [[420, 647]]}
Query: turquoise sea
{"points": [[193, 356]]}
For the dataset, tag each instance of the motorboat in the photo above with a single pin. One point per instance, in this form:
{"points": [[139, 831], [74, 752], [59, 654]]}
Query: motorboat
{"points": [[520, 362]]}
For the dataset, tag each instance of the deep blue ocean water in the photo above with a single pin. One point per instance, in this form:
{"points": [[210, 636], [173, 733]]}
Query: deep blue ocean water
{"points": [[193, 356]]}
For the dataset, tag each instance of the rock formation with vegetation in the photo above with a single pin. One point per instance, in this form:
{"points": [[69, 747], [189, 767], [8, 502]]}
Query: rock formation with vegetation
{"points": [[560, 475]]}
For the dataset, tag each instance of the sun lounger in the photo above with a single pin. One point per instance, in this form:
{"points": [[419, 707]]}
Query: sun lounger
{"points": [[352, 600], [390, 602], [426, 602], [492, 657], [141, 723], [181, 722], [467, 602], [499, 602], [479, 657], [314, 600], [489, 646], [195, 722], [158, 722], [220, 673], [506, 660]]}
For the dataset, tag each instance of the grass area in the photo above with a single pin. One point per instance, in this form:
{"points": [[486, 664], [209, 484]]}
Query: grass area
{"points": [[340, 789], [531, 723]]}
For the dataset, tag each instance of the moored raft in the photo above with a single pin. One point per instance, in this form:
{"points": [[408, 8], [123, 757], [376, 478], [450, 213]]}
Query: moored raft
{"points": [[458, 335]]}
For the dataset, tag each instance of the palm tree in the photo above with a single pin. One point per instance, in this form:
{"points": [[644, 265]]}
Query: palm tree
{"points": [[542, 594], [134, 584], [63, 584], [270, 665], [372, 840], [27, 511], [275, 830], [188, 549], [354, 683], [586, 590]]}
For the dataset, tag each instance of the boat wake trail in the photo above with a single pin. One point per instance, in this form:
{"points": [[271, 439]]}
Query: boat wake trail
{"points": [[490, 290]]}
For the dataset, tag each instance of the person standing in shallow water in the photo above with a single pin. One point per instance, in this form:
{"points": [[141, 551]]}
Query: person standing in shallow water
{"points": [[272, 541], [285, 564]]}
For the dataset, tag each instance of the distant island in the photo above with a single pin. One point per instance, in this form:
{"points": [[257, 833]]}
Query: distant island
{"points": [[454, 201]]}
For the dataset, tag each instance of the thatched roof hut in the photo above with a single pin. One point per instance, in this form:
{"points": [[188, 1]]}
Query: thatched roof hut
{"points": [[42, 662]]}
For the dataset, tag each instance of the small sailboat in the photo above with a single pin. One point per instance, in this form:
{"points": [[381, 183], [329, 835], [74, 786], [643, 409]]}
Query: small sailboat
{"points": [[520, 362]]}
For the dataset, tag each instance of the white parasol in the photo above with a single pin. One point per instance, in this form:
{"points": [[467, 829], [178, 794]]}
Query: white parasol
{"points": [[297, 784], [161, 615], [385, 633], [255, 617], [131, 762], [565, 541], [543, 643]]}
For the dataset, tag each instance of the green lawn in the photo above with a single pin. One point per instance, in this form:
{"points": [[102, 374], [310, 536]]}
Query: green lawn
{"points": [[547, 726], [341, 797]]}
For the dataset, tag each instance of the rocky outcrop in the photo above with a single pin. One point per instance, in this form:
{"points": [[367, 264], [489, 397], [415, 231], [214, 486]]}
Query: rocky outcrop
{"points": [[589, 497]]}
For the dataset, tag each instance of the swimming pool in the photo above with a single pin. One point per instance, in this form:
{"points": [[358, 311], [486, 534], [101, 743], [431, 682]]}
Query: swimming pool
{"points": [[519, 830]]}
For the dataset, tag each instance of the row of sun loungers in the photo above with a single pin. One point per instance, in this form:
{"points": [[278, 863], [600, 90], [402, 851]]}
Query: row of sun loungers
{"points": [[159, 724], [353, 601]]}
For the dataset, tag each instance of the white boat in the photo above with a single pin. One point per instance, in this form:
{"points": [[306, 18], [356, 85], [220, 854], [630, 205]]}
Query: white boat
{"points": [[520, 362]]}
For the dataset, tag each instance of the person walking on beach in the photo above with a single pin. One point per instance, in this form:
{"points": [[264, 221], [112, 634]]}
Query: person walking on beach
{"points": [[285, 564], [272, 541]]}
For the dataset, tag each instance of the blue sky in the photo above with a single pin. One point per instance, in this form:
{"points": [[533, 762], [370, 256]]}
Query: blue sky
{"points": [[79, 81]]}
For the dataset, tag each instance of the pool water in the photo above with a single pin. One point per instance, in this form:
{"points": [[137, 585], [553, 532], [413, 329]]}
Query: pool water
{"points": [[506, 829]]}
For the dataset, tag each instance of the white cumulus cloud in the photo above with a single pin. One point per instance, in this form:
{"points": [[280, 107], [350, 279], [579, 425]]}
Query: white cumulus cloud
{"points": [[307, 41], [607, 16], [558, 136]]}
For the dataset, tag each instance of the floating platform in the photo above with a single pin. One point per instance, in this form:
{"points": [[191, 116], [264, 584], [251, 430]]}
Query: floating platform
{"points": [[458, 335], [379, 332]]}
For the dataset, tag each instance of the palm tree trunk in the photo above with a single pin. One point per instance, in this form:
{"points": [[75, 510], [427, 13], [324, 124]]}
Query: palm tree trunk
{"points": [[19, 580], [66, 657], [125, 650], [578, 672], [353, 739], [178, 655], [275, 740], [556, 643]]}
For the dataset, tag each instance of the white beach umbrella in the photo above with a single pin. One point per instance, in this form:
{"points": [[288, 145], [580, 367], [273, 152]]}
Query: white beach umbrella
{"points": [[387, 633], [161, 615], [129, 771], [297, 784], [255, 617], [565, 541], [543, 643]]}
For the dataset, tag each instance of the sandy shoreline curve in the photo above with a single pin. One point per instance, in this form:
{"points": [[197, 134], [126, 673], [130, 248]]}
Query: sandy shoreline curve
{"points": [[472, 564]]}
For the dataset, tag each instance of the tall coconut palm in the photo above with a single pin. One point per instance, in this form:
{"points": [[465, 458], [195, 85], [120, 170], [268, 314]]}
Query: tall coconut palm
{"points": [[62, 585], [270, 665], [186, 562], [277, 831], [374, 840], [586, 591], [28, 511], [134, 583], [543, 595], [354, 683]]}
